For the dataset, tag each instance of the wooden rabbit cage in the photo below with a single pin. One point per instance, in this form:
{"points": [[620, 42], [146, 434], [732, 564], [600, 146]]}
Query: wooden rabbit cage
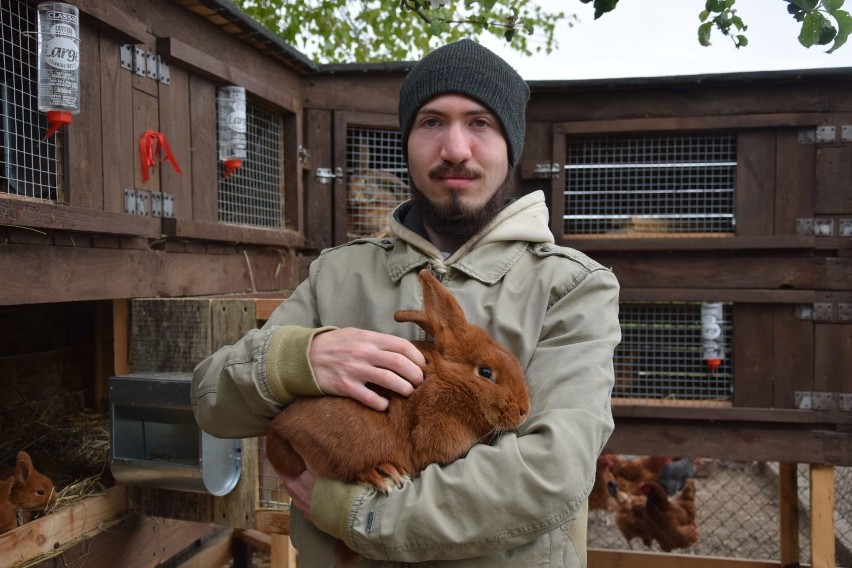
{"points": [[722, 203]]}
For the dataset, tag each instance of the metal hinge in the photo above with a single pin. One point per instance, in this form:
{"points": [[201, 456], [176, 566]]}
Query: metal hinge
{"points": [[824, 312], [818, 135], [162, 204], [817, 400], [547, 170], [136, 202], [846, 133], [139, 60], [814, 227], [325, 176]]}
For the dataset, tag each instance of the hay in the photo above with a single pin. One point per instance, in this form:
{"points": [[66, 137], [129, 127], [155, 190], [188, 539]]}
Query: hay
{"points": [[69, 446]]}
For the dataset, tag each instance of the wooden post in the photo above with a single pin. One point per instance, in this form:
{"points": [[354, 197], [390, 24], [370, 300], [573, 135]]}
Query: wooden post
{"points": [[788, 496], [283, 554], [822, 516]]}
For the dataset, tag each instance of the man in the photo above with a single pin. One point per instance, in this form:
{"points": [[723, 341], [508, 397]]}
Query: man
{"points": [[520, 502]]}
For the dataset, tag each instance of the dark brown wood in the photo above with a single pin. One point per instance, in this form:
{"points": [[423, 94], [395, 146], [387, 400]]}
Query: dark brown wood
{"points": [[788, 497], [664, 411], [184, 228], [600, 558], [794, 189], [755, 188], [85, 166], [174, 107], [187, 322], [719, 122], [145, 118], [833, 172], [318, 197], [753, 356], [373, 93], [833, 357], [119, 22], [557, 185], [202, 96], [664, 243], [737, 295], [793, 360], [74, 274]]}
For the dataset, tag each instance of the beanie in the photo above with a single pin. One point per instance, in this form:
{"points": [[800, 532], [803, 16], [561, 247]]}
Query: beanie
{"points": [[467, 68]]}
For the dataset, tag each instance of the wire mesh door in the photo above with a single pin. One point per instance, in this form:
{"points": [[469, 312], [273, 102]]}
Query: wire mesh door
{"points": [[650, 184], [30, 165], [377, 180]]}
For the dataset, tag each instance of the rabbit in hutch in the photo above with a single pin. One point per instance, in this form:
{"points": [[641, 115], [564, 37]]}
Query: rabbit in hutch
{"points": [[31, 490], [371, 196], [8, 510], [474, 390]]}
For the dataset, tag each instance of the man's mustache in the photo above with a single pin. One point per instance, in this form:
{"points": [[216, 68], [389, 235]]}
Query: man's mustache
{"points": [[452, 170]]}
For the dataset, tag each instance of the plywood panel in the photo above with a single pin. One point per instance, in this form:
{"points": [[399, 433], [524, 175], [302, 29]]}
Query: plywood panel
{"points": [[793, 345], [204, 161], [833, 357], [795, 173], [834, 181], [753, 369]]}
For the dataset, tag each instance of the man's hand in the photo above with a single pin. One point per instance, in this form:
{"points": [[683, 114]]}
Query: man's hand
{"points": [[300, 488], [344, 360]]}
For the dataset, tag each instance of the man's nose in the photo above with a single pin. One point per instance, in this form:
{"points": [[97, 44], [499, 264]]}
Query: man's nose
{"points": [[455, 146]]}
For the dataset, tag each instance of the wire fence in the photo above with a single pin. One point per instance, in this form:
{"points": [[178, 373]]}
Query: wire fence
{"points": [[737, 514]]}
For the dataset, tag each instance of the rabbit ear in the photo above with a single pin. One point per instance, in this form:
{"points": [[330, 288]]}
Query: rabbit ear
{"points": [[441, 312], [6, 489], [23, 467]]}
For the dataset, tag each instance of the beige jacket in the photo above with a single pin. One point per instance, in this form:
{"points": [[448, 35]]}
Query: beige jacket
{"points": [[520, 502]]}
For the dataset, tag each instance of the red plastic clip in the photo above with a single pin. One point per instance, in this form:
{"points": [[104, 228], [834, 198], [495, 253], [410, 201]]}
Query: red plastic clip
{"points": [[232, 164], [154, 148], [55, 120]]}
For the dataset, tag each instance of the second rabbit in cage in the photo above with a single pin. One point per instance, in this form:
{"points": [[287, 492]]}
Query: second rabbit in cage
{"points": [[371, 196]]}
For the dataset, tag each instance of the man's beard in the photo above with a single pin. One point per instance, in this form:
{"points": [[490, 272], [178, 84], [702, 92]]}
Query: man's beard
{"points": [[458, 221]]}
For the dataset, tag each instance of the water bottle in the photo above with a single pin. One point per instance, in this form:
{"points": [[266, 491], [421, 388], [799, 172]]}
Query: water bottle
{"points": [[231, 109], [58, 63]]}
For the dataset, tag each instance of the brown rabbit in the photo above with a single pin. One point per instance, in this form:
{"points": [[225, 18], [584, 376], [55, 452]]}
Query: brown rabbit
{"points": [[31, 491], [474, 389], [8, 510]]}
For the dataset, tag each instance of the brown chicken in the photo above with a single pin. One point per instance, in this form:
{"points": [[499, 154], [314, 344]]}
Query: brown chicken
{"points": [[651, 516], [601, 499], [632, 473]]}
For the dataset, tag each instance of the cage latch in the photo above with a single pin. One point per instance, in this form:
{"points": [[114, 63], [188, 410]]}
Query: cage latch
{"points": [[325, 176]]}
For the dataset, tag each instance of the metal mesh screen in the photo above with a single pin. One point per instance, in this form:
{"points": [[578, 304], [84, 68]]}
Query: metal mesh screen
{"points": [[650, 184], [377, 180], [253, 194], [662, 353], [29, 163], [737, 513], [271, 492]]}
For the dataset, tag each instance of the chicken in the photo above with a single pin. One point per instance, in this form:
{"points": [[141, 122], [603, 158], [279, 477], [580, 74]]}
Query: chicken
{"points": [[674, 474], [673, 522], [600, 498], [650, 516], [632, 473]]}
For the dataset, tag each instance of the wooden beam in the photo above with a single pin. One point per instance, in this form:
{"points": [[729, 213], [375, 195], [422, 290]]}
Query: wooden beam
{"points": [[631, 559], [59, 530], [283, 554], [215, 552], [24, 213], [255, 539], [788, 496], [822, 516]]}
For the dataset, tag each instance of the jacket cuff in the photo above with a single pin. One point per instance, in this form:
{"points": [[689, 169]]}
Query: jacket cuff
{"points": [[331, 505], [288, 365]]}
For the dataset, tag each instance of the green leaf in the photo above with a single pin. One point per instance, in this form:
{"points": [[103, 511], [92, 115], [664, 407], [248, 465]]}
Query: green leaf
{"points": [[832, 6], [714, 5], [703, 15], [604, 6], [807, 5], [509, 34], [742, 41], [844, 25], [811, 26], [827, 33], [436, 27], [704, 31]]}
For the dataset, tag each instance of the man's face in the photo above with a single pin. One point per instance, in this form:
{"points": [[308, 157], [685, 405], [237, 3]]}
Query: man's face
{"points": [[457, 155]]}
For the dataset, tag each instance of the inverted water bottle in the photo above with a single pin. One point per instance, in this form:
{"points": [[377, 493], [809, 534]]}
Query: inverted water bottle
{"points": [[58, 63], [231, 110]]}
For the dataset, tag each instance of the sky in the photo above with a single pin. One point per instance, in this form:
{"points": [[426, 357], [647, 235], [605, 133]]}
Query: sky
{"points": [[644, 38]]}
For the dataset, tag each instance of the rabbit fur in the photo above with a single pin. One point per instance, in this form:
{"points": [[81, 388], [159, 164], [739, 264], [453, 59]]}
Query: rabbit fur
{"points": [[31, 490], [474, 389]]}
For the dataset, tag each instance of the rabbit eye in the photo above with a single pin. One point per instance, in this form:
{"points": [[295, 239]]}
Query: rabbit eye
{"points": [[39, 492], [484, 372]]}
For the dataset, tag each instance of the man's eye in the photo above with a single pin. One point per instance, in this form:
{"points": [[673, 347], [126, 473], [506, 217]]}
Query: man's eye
{"points": [[430, 122]]}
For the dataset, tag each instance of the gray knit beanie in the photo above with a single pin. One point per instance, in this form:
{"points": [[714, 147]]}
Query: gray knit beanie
{"points": [[467, 68]]}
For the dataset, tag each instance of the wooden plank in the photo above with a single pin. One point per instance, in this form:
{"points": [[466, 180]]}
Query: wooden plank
{"points": [[213, 66], [273, 521], [291, 185], [177, 505], [145, 117], [833, 172], [738, 295], [723, 416], [752, 344], [265, 306], [205, 158], [822, 516], [691, 242], [755, 189], [216, 552], [600, 558], [283, 554], [106, 13], [237, 508], [51, 216], [121, 336], [116, 126], [255, 539], [557, 203], [214, 231], [351, 92], [793, 357], [177, 274], [66, 274], [175, 123], [794, 188], [231, 319], [788, 497], [187, 321], [318, 197], [56, 530], [832, 357], [668, 123]]}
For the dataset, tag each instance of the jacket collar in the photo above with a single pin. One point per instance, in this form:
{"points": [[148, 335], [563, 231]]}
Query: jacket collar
{"points": [[487, 256]]}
